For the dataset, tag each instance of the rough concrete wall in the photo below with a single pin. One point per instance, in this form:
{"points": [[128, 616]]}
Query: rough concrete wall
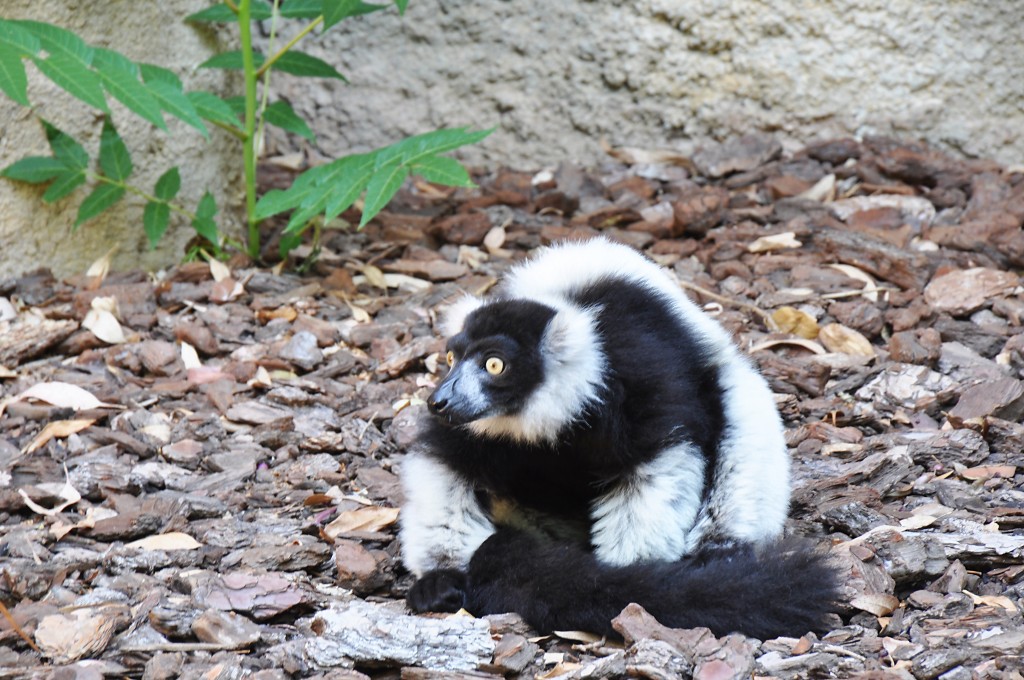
{"points": [[33, 234], [554, 77]]}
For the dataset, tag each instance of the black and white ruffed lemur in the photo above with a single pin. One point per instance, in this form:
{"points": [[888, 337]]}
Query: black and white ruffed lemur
{"points": [[599, 440]]}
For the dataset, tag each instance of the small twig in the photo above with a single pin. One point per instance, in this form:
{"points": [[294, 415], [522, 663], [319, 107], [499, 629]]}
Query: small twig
{"points": [[17, 629], [765, 316], [855, 293], [836, 649], [181, 647]]}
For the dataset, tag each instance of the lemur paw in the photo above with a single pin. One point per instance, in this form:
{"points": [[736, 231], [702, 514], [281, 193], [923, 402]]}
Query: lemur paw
{"points": [[441, 590]]}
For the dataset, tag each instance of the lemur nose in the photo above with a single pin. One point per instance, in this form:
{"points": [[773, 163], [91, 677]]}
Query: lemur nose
{"points": [[436, 405]]}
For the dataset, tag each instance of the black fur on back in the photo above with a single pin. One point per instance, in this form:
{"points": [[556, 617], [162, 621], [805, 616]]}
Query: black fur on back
{"points": [[659, 389], [782, 589]]}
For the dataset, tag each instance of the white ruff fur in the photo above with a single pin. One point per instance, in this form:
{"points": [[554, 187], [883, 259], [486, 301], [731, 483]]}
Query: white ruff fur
{"points": [[648, 517], [442, 524]]}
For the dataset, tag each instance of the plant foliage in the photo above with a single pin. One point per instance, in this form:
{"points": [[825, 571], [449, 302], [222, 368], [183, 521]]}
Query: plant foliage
{"points": [[94, 74]]}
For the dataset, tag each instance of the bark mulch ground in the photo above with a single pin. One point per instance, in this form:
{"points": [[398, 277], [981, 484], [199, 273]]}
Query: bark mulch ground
{"points": [[198, 470]]}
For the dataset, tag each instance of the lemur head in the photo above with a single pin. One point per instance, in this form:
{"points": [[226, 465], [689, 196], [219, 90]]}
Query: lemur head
{"points": [[496, 362]]}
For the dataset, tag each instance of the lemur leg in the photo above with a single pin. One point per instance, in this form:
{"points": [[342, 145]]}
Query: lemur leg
{"points": [[649, 515], [442, 523]]}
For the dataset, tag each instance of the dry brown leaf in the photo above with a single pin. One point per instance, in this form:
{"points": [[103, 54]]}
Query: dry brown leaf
{"points": [[993, 601], [372, 518], [879, 604], [989, 471], [765, 244], [172, 540], [288, 313], [635, 156], [57, 429], [578, 636], [219, 270], [792, 320], [374, 276], [68, 637], [839, 338], [797, 342]]}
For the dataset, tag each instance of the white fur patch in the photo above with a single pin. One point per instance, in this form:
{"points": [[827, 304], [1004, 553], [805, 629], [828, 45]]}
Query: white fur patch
{"points": [[573, 370], [453, 317], [442, 524], [650, 514]]}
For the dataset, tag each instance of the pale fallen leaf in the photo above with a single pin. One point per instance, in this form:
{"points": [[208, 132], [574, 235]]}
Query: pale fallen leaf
{"points": [[102, 323], [219, 270], [189, 356], [101, 267], [7, 310], [372, 518], [374, 276], [870, 291], [839, 338], [57, 429], [915, 522], [172, 540], [60, 529], [578, 636], [989, 471], [6, 373], [226, 290], [765, 244], [67, 492], [797, 342], [636, 156], [261, 379], [879, 604], [792, 320], [823, 190], [993, 601], [62, 395], [68, 637], [495, 239]]}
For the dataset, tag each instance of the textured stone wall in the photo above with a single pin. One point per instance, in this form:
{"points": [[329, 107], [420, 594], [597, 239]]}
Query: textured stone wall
{"points": [[33, 234], [554, 77]]}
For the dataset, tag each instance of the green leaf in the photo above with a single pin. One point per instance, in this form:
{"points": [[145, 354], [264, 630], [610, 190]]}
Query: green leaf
{"points": [[20, 39], [383, 186], [302, 64], [102, 197], [212, 108], [65, 148], [280, 113], [232, 60], [155, 218], [168, 185], [203, 222], [64, 185], [13, 80], [443, 170], [295, 9], [74, 76], [56, 40], [217, 13], [288, 243], [115, 161], [35, 169], [120, 78], [401, 5], [151, 73], [336, 10], [172, 100]]}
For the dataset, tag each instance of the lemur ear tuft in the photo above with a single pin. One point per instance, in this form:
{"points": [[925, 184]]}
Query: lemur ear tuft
{"points": [[569, 334], [453, 318]]}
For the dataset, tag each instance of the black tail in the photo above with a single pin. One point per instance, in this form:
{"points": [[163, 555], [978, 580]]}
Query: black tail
{"points": [[781, 589]]}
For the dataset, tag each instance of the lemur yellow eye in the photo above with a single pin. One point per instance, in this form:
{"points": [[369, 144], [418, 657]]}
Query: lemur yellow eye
{"points": [[450, 357], [494, 365]]}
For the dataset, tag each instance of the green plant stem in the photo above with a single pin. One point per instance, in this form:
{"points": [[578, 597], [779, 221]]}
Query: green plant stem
{"points": [[229, 128], [249, 144], [139, 192], [260, 115], [290, 44]]}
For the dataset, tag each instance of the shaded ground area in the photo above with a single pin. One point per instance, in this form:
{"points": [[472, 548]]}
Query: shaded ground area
{"points": [[215, 496]]}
